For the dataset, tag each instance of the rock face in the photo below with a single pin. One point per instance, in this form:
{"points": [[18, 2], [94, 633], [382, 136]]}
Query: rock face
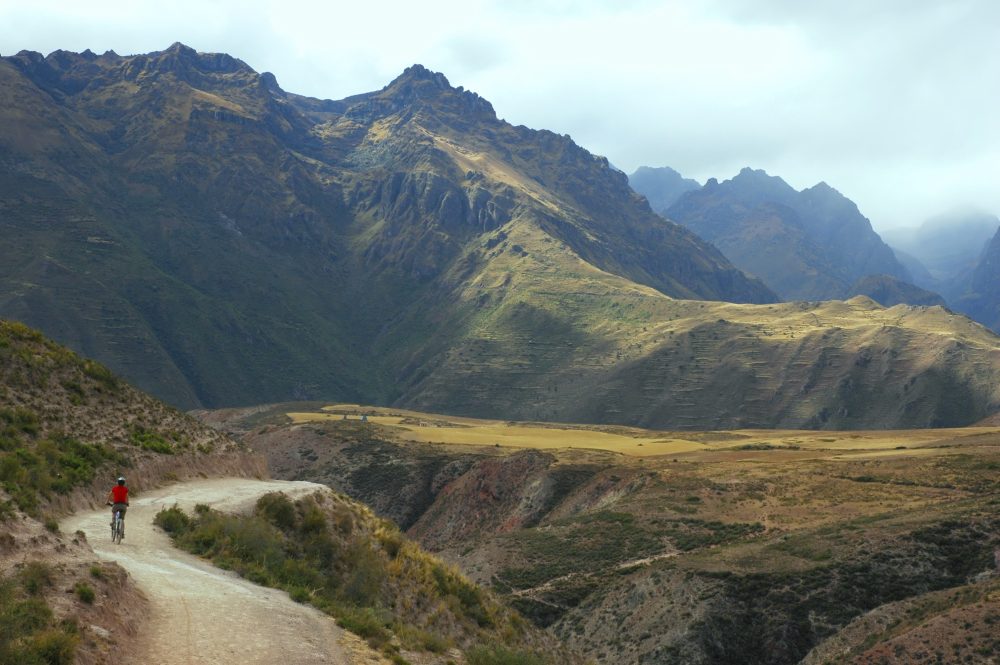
{"points": [[219, 241], [661, 186], [808, 245]]}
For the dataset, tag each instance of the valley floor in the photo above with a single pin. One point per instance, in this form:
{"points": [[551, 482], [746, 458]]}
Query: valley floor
{"points": [[654, 546]]}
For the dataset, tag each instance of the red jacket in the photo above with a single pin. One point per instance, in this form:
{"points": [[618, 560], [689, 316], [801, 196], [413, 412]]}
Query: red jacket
{"points": [[119, 494]]}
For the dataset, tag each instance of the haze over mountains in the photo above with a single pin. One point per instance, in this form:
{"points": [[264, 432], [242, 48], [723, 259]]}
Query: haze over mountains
{"points": [[945, 251], [806, 249], [221, 241], [808, 245]]}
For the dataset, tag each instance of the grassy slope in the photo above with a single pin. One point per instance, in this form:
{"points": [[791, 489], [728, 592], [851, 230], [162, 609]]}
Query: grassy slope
{"points": [[67, 419], [547, 336], [740, 546]]}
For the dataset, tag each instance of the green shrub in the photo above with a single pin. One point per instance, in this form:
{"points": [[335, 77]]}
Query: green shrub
{"points": [[150, 440], [19, 420], [499, 655], [102, 375], [367, 623], [172, 520], [54, 646], [277, 509], [84, 592], [36, 576], [28, 634]]}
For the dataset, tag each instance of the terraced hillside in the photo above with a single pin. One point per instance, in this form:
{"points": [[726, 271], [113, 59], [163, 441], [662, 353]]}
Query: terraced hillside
{"points": [[646, 546]]}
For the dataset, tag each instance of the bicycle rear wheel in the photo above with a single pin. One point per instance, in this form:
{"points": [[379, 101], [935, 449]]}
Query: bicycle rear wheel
{"points": [[118, 530]]}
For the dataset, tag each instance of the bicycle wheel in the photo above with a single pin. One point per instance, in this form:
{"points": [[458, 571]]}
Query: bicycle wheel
{"points": [[119, 531]]}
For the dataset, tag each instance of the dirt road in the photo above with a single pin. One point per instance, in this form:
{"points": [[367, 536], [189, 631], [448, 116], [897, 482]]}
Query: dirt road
{"points": [[201, 614]]}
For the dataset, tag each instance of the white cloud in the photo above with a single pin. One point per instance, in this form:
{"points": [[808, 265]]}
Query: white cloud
{"points": [[891, 102]]}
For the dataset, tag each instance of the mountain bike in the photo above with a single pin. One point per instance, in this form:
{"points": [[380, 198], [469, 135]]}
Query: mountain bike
{"points": [[117, 527]]}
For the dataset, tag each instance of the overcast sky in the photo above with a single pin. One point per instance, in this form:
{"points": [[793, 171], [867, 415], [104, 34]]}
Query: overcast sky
{"points": [[893, 102]]}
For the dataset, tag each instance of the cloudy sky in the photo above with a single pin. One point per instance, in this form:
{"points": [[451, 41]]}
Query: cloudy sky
{"points": [[893, 102]]}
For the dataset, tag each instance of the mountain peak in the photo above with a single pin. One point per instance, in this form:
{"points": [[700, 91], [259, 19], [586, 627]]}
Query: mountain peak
{"points": [[419, 88], [823, 189], [750, 174], [178, 47], [759, 186], [417, 72], [186, 62]]}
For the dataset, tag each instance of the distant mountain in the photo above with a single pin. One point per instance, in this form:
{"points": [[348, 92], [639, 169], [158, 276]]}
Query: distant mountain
{"points": [[981, 299], [921, 275], [220, 241], [808, 245], [661, 186], [888, 291], [949, 246]]}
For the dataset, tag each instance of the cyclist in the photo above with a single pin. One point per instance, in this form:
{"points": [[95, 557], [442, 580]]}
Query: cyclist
{"points": [[118, 500]]}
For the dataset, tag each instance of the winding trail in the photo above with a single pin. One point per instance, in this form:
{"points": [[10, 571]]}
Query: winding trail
{"points": [[202, 614]]}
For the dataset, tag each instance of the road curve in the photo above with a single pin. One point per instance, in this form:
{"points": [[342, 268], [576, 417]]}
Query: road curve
{"points": [[201, 614]]}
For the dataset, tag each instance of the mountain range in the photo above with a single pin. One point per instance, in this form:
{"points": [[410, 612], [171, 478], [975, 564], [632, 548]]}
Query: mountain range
{"points": [[220, 241], [180, 217], [812, 244]]}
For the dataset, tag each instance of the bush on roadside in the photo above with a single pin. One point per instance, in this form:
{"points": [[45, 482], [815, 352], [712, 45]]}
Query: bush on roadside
{"points": [[355, 567], [29, 634]]}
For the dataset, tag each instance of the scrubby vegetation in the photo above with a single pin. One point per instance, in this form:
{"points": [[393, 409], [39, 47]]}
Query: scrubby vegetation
{"points": [[34, 467], [591, 542], [29, 633], [64, 419], [778, 617], [358, 568]]}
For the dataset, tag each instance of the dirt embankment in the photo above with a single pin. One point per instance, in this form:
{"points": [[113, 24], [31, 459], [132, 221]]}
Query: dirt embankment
{"points": [[200, 614]]}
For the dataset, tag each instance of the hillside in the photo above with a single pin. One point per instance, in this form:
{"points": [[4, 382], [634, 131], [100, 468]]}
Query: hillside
{"points": [[806, 245], [68, 427], [647, 546], [217, 240]]}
